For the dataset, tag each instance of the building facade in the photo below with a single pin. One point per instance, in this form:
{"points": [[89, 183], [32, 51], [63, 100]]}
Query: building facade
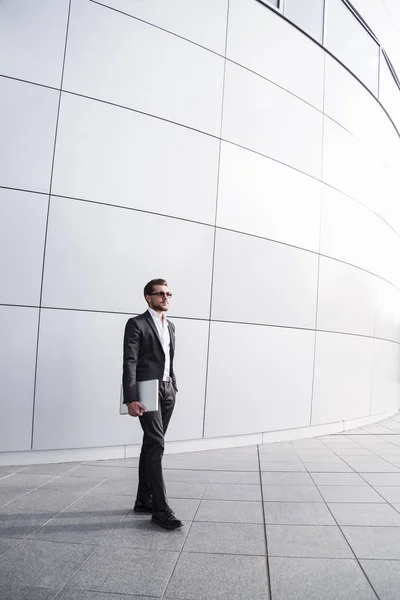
{"points": [[247, 152]]}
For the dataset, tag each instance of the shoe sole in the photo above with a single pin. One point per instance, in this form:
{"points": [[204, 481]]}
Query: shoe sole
{"points": [[169, 527]]}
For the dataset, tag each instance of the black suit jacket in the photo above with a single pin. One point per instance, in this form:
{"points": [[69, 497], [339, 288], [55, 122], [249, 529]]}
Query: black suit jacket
{"points": [[144, 356]]}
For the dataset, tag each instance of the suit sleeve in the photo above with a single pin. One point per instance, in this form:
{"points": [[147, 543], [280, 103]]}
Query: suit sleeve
{"points": [[131, 353]]}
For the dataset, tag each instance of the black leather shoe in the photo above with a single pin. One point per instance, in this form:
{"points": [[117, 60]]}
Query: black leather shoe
{"points": [[167, 519], [143, 506]]}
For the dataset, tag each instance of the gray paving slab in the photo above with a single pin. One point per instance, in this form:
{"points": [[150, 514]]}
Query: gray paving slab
{"points": [[292, 467], [140, 572], [11, 468], [87, 521], [391, 493], [375, 468], [320, 541], [180, 489], [193, 456], [186, 476], [218, 577], [246, 459], [112, 462], [328, 467], [232, 491], [354, 452], [27, 481], [226, 538], [39, 563], [82, 484], [200, 465], [20, 523], [278, 456], [67, 594], [142, 533], [374, 542], [8, 495], [274, 478], [6, 544], [365, 514], [291, 493], [24, 592], [394, 461], [225, 511], [384, 575], [319, 457], [337, 479], [120, 487], [297, 513], [98, 472], [48, 502], [49, 469], [376, 479], [248, 477], [252, 450], [349, 493], [362, 460], [131, 463], [318, 579], [236, 466]]}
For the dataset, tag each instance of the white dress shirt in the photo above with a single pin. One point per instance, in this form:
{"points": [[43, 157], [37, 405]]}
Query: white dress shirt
{"points": [[160, 321]]}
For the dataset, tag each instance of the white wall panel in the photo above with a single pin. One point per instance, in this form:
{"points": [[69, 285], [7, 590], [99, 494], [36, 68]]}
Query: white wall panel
{"points": [[355, 235], [100, 257], [352, 168], [18, 328], [346, 298], [272, 388], [263, 197], [349, 167], [386, 377], [387, 316], [190, 363], [349, 103], [28, 123], [79, 380], [113, 57], [342, 377], [117, 156], [258, 281], [202, 22], [265, 118], [258, 38], [32, 39], [389, 93], [347, 39], [22, 233]]}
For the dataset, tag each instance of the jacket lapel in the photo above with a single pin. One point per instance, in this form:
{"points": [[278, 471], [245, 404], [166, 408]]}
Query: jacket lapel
{"points": [[153, 327], [171, 339]]}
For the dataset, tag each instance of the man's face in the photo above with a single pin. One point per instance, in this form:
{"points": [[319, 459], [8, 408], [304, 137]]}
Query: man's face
{"points": [[159, 300]]}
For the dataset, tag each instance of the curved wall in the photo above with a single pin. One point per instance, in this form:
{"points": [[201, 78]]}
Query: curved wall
{"points": [[217, 145]]}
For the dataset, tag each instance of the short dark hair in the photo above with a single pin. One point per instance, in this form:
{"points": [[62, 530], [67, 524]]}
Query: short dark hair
{"points": [[149, 287]]}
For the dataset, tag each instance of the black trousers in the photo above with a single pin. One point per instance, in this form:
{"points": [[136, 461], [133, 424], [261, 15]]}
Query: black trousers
{"points": [[154, 425]]}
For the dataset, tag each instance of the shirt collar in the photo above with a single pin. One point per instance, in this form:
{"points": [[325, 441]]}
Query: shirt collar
{"points": [[155, 314]]}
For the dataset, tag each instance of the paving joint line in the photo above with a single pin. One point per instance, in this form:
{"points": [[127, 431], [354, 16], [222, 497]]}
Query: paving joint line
{"points": [[268, 572]]}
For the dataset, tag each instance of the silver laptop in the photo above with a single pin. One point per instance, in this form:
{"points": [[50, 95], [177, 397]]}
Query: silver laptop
{"points": [[148, 396]]}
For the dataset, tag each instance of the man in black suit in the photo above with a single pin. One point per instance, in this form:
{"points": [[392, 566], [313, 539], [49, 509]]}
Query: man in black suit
{"points": [[149, 345]]}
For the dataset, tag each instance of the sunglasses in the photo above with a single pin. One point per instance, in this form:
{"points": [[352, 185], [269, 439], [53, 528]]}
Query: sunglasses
{"points": [[162, 294]]}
